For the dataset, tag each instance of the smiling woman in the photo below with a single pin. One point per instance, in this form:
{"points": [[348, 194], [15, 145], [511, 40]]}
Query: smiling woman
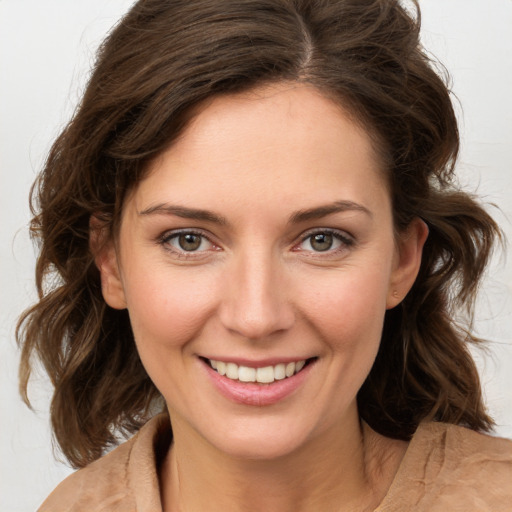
{"points": [[261, 240], [261, 291]]}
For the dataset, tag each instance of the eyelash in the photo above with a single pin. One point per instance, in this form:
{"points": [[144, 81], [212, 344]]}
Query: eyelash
{"points": [[346, 240], [166, 238]]}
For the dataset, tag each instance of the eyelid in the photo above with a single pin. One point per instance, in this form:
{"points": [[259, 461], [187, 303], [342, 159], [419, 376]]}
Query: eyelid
{"points": [[346, 239], [165, 237]]}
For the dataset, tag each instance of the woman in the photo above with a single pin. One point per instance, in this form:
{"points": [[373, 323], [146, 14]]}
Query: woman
{"points": [[254, 229]]}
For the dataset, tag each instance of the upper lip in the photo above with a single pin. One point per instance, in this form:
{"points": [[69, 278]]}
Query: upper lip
{"points": [[260, 363]]}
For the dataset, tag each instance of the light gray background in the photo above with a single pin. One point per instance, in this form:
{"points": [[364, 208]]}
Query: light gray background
{"points": [[46, 49]]}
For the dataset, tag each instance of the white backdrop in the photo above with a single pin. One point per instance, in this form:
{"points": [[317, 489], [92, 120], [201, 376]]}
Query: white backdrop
{"points": [[46, 49]]}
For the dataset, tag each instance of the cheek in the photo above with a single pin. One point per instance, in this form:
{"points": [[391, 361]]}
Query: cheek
{"points": [[168, 307], [348, 307]]}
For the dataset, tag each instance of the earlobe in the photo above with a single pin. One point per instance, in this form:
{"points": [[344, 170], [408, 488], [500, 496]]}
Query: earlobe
{"points": [[407, 266], [105, 258]]}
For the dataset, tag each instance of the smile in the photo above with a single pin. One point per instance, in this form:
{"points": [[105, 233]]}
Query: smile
{"points": [[262, 375], [247, 383]]}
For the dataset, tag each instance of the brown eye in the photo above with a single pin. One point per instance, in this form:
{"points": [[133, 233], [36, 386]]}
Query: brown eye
{"points": [[321, 242], [189, 241]]}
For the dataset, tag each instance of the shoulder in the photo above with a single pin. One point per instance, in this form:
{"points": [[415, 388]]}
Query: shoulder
{"points": [[124, 480], [459, 444], [448, 467]]}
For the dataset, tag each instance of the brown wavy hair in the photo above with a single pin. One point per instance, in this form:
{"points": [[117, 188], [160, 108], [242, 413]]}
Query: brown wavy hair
{"points": [[162, 60]]}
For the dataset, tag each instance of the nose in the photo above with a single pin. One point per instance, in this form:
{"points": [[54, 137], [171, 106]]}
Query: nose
{"points": [[255, 301]]}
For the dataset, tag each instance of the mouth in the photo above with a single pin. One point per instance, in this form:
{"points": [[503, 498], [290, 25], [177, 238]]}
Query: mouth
{"points": [[260, 375]]}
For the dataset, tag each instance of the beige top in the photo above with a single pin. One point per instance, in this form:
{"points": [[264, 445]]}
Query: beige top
{"points": [[446, 469]]}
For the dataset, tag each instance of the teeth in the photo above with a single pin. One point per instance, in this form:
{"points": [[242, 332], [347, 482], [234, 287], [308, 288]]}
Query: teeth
{"points": [[279, 371], [246, 374], [232, 371], [290, 369], [264, 375], [221, 367]]}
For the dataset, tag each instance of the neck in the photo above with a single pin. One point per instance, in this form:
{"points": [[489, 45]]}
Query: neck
{"points": [[349, 472]]}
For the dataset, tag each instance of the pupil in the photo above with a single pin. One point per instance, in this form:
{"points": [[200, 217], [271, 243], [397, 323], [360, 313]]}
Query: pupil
{"points": [[321, 242], [189, 242]]}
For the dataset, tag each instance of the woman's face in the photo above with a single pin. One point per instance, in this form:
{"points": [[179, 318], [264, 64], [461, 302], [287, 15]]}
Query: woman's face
{"points": [[261, 244]]}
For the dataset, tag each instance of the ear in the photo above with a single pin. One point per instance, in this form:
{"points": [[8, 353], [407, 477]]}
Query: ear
{"points": [[105, 256], [407, 261]]}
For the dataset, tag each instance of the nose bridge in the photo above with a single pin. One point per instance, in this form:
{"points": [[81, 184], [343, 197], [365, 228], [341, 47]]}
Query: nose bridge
{"points": [[256, 303]]}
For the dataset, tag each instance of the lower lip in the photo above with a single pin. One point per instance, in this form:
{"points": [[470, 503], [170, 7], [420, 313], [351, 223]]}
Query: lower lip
{"points": [[249, 393]]}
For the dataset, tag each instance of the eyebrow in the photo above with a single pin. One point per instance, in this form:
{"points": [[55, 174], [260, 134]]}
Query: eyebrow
{"points": [[186, 213], [296, 218], [328, 209]]}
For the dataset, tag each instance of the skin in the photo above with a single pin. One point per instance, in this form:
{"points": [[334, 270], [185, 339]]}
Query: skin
{"points": [[257, 288]]}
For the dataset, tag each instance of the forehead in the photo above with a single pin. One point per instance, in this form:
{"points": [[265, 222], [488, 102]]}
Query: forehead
{"points": [[286, 142], [289, 110]]}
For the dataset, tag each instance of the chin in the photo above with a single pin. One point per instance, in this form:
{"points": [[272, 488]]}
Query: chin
{"points": [[260, 440]]}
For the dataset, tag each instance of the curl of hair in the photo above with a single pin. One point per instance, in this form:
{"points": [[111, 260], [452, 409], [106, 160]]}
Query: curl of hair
{"points": [[163, 59]]}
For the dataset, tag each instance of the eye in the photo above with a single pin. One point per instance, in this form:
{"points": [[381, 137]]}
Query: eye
{"points": [[321, 241], [187, 242], [325, 241]]}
